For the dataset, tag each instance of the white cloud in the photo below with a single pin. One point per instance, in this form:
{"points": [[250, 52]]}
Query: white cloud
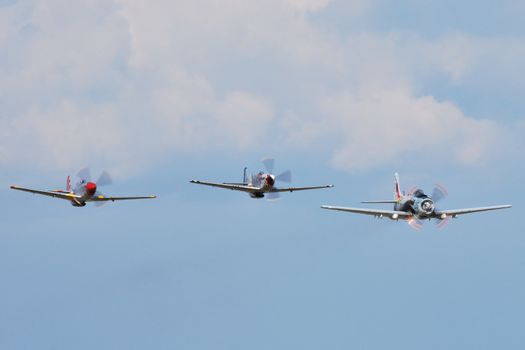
{"points": [[381, 127], [204, 34], [244, 117], [308, 5], [64, 140], [127, 82], [79, 94]]}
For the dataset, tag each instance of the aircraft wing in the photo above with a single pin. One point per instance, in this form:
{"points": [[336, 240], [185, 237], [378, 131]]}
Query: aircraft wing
{"points": [[101, 198], [292, 189], [55, 194], [393, 214], [385, 201], [235, 187], [456, 212]]}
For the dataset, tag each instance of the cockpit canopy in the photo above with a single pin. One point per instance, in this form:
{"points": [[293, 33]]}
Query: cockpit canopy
{"points": [[420, 194]]}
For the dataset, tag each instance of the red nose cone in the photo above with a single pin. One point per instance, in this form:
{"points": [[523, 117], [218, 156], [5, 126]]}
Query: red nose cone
{"points": [[91, 188]]}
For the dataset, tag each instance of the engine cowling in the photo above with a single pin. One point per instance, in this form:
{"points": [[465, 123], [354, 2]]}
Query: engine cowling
{"points": [[270, 180], [426, 206]]}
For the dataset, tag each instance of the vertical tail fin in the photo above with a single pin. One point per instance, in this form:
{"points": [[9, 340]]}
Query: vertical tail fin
{"points": [[68, 184], [398, 194], [244, 178]]}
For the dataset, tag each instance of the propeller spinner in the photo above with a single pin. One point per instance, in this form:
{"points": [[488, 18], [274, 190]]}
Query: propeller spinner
{"points": [[104, 179], [285, 176]]}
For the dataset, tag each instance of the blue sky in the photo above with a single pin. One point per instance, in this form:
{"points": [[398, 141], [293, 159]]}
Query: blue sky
{"points": [[342, 92]]}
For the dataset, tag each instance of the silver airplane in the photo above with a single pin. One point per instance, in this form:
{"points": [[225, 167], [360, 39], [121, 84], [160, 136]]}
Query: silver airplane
{"points": [[262, 183], [84, 191], [416, 206]]}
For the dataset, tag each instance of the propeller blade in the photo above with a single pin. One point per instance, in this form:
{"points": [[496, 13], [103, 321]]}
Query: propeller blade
{"points": [[273, 196], [85, 174], [285, 176], [104, 179], [101, 203], [439, 193], [442, 223], [268, 164], [415, 223]]}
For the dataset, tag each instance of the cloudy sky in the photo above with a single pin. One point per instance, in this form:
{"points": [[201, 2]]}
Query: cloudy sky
{"points": [[342, 92]]}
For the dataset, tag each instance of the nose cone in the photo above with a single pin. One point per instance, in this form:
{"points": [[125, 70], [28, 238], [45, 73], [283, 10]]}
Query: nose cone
{"points": [[270, 180], [91, 188]]}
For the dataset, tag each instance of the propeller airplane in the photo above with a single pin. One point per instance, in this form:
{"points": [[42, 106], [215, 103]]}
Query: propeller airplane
{"points": [[263, 183], [84, 191], [415, 206]]}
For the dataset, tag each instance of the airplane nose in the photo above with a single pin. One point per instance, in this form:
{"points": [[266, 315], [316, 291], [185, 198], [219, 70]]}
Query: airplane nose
{"points": [[91, 188], [270, 180], [427, 206]]}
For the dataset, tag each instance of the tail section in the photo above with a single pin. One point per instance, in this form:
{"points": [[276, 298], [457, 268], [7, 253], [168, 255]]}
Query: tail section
{"points": [[68, 184], [398, 194]]}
